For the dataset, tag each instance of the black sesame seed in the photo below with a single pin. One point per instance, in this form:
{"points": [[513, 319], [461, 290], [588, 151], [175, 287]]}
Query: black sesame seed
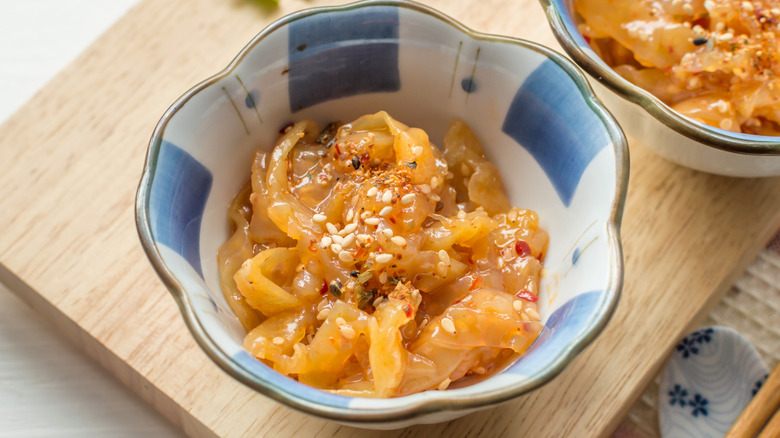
{"points": [[335, 288], [356, 162], [354, 273], [330, 143], [411, 164], [699, 41]]}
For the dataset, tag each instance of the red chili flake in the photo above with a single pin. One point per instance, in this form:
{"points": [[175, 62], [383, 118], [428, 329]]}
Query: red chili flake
{"points": [[363, 158], [522, 248], [528, 296], [324, 288], [671, 49], [338, 151], [408, 309], [312, 245], [392, 220], [476, 283]]}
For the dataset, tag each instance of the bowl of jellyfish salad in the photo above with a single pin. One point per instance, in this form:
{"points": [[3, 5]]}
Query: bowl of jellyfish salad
{"points": [[378, 216]]}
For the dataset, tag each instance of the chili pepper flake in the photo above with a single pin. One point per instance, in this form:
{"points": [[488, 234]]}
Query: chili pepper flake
{"points": [[522, 248], [528, 296]]}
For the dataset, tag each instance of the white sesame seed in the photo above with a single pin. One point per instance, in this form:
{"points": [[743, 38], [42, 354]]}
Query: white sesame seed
{"points": [[331, 228], [480, 370], [321, 305], [383, 278], [278, 340], [464, 169], [319, 218], [350, 228], [688, 9], [747, 6], [725, 124], [388, 232], [398, 240], [524, 317], [372, 221], [336, 248], [362, 237], [378, 301], [417, 151], [441, 268], [340, 321], [349, 239], [444, 256], [350, 215], [461, 214], [337, 239], [387, 196], [435, 181], [384, 258], [532, 313], [407, 199], [518, 305], [365, 214], [348, 332], [386, 211], [372, 192], [326, 241], [299, 268], [346, 256], [448, 325], [434, 197], [709, 5], [726, 36], [425, 188], [444, 384]]}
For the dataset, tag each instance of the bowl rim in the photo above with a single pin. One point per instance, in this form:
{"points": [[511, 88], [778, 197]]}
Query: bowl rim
{"points": [[604, 310], [561, 21]]}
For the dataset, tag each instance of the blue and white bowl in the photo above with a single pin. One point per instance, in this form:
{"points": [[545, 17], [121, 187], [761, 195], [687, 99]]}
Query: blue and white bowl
{"points": [[559, 151], [655, 124]]}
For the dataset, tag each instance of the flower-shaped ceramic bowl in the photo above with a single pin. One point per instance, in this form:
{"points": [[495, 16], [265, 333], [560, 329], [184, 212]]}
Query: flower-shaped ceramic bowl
{"points": [[560, 153], [648, 120]]}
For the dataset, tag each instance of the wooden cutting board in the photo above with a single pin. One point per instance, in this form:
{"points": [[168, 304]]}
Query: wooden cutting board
{"points": [[71, 158]]}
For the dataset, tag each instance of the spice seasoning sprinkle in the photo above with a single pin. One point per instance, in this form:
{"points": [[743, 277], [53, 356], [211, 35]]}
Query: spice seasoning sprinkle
{"points": [[448, 325]]}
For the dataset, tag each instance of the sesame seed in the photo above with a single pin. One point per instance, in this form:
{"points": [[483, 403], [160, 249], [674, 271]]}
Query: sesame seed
{"points": [[444, 384], [340, 321], [348, 240], [387, 196], [278, 340], [398, 240], [336, 248], [346, 256], [775, 11], [444, 256], [688, 9], [331, 228], [407, 199], [365, 214], [372, 192], [524, 317], [337, 239], [299, 268], [727, 36], [518, 305], [725, 124], [321, 305], [326, 241], [384, 258], [417, 151], [350, 228], [383, 278], [388, 232], [348, 332], [532, 313], [461, 214], [709, 5], [378, 301], [372, 221], [435, 197], [350, 215], [747, 6], [448, 325], [319, 218], [441, 268], [362, 237], [425, 188], [435, 181], [480, 370], [386, 211]]}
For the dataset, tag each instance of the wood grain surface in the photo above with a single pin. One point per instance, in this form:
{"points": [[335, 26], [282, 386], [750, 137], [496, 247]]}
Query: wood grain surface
{"points": [[71, 158]]}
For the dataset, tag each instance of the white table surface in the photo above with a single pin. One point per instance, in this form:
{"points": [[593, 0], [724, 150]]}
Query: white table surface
{"points": [[47, 387]]}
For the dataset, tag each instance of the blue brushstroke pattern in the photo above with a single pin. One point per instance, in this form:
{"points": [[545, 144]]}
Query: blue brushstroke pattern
{"points": [[551, 119], [180, 188], [345, 54]]}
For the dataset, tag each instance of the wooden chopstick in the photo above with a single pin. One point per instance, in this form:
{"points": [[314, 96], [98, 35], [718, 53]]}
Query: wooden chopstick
{"points": [[759, 410], [772, 428]]}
